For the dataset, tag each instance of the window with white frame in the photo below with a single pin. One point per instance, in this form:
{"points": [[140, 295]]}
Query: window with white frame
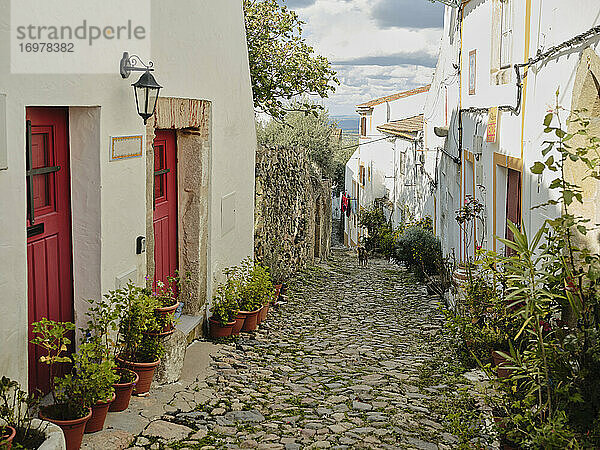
{"points": [[506, 33]]}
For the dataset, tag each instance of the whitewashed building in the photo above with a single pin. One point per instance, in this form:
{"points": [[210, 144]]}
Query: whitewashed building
{"points": [[501, 64], [374, 172], [90, 196]]}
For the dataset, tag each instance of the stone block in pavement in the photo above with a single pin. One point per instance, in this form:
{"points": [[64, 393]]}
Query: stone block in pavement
{"points": [[107, 439], [167, 431]]}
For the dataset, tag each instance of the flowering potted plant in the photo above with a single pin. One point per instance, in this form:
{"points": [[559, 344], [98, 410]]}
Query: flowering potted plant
{"points": [[167, 303], [70, 409]]}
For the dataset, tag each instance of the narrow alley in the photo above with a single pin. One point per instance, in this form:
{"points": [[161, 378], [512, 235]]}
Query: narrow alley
{"points": [[339, 366]]}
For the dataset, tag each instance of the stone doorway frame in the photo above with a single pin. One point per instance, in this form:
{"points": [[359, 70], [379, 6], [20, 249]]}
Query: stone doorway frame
{"points": [[190, 119]]}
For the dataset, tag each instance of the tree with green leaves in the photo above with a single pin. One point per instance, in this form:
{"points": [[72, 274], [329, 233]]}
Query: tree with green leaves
{"points": [[314, 133], [282, 65]]}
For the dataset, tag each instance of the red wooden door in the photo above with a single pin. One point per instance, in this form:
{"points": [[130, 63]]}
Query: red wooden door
{"points": [[165, 205], [49, 255], [513, 204]]}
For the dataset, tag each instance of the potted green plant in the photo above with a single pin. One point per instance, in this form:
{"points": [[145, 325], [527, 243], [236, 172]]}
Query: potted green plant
{"points": [[15, 412], [97, 375], [7, 434], [138, 345], [167, 303], [70, 409], [123, 387], [265, 289], [103, 316], [224, 310], [252, 292]]}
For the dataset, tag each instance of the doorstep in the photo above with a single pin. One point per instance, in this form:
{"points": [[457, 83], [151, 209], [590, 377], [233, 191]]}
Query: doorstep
{"points": [[191, 326]]}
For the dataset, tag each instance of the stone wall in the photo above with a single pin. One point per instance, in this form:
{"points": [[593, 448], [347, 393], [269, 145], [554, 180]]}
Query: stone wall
{"points": [[292, 217]]}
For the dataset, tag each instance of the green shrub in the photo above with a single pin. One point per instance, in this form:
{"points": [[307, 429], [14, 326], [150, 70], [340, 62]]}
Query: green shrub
{"points": [[137, 321], [255, 286], [420, 250], [225, 302], [373, 219]]}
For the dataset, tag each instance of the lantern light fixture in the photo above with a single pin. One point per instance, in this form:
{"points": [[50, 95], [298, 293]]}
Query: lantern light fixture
{"points": [[146, 89]]}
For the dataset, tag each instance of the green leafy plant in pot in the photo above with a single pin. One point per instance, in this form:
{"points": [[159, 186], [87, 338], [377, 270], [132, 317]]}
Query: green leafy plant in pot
{"points": [[15, 412], [255, 289], [167, 295], [98, 376], [224, 310], [7, 434], [70, 409], [114, 387], [138, 345], [264, 288]]}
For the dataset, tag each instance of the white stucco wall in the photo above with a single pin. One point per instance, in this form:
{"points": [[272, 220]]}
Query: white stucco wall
{"points": [[520, 136], [379, 152], [199, 51]]}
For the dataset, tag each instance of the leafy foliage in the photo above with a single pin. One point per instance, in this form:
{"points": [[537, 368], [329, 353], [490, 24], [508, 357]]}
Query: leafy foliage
{"points": [[97, 375], [255, 286], [315, 134], [16, 406], [282, 65], [549, 286], [68, 393], [225, 302], [420, 249], [468, 217], [373, 219], [137, 321]]}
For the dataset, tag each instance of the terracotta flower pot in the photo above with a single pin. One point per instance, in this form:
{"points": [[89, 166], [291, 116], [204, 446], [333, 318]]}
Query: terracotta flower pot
{"points": [[123, 393], [218, 331], [162, 313], [72, 429], [7, 437], [500, 361], [251, 321], [99, 412], [145, 372], [239, 323], [161, 334], [263, 313]]}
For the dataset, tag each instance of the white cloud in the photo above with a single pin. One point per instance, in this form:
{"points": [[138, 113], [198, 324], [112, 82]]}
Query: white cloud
{"points": [[362, 83], [345, 32]]}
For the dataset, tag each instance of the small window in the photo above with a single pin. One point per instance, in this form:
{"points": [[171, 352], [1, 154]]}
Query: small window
{"points": [[506, 31], [363, 126], [362, 175], [369, 173]]}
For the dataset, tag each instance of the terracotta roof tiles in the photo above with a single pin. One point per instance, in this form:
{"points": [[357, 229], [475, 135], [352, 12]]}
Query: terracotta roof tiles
{"points": [[404, 126], [389, 98]]}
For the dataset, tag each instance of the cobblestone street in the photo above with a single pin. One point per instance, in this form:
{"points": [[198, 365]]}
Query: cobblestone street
{"points": [[335, 367]]}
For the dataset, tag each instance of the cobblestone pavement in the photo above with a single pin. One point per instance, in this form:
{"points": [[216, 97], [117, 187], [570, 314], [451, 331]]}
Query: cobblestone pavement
{"points": [[337, 366]]}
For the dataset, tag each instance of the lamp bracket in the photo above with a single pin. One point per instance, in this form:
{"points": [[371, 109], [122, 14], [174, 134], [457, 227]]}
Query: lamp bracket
{"points": [[133, 63]]}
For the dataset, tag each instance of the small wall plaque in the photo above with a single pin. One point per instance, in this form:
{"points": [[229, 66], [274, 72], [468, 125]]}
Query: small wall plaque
{"points": [[123, 147], [3, 139]]}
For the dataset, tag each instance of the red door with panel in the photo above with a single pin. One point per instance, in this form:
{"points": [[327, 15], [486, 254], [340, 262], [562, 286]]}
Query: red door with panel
{"points": [[165, 205], [49, 254], [513, 205]]}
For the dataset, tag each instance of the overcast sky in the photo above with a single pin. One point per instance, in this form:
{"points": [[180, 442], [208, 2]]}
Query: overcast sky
{"points": [[378, 47]]}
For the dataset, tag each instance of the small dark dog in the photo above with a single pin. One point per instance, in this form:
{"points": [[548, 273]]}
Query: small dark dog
{"points": [[363, 256]]}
